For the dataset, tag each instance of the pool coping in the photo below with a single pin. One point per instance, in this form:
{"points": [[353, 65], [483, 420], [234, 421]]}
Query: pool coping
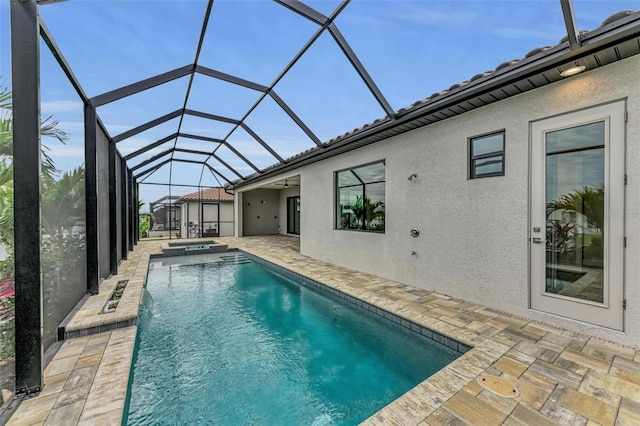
{"points": [[400, 320], [427, 396], [565, 377]]}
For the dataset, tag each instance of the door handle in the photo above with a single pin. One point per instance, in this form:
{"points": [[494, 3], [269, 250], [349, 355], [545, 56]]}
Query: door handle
{"points": [[538, 240]]}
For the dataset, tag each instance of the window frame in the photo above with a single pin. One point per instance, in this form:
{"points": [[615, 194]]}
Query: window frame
{"points": [[471, 173], [336, 197]]}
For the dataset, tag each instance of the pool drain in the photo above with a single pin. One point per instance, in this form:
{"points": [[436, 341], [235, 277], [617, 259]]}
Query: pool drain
{"points": [[499, 386]]}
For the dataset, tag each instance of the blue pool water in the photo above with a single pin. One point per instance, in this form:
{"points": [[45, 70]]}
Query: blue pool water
{"points": [[230, 342]]}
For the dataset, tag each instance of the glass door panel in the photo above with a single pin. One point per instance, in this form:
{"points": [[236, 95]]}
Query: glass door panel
{"points": [[575, 205], [293, 215], [577, 215]]}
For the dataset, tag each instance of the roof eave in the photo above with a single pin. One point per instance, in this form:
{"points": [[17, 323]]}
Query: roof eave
{"points": [[592, 42]]}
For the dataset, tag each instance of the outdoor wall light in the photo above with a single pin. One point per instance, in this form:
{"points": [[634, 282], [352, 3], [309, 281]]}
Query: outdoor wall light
{"points": [[286, 185], [414, 175], [576, 69]]}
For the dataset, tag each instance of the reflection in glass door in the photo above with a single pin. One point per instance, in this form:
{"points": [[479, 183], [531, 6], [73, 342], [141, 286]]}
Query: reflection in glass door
{"points": [[577, 215], [575, 197], [293, 215]]}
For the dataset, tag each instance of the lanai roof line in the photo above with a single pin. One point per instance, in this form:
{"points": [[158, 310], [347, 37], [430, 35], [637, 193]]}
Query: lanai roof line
{"points": [[151, 169], [209, 155], [62, 61], [152, 159], [286, 69], [329, 24], [148, 125], [150, 146], [140, 86], [203, 31], [215, 172], [616, 37]]}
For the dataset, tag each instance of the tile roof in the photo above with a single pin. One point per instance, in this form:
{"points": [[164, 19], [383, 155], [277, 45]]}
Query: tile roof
{"points": [[411, 117], [211, 194]]}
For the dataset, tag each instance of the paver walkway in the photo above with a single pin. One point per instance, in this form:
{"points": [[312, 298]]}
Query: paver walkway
{"points": [[562, 377]]}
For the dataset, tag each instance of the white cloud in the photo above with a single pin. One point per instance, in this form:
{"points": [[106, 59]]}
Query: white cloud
{"points": [[52, 107], [68, 152]]}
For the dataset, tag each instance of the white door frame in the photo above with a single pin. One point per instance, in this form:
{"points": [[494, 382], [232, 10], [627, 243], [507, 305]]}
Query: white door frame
{"points": [[609, 313]]}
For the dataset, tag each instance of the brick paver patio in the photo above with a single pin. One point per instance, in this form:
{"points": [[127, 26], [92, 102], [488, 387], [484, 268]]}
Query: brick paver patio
{"points": [[563, 377]]}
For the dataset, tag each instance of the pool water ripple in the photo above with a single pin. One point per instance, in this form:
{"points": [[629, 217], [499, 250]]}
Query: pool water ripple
{"points": [[231, 342]]}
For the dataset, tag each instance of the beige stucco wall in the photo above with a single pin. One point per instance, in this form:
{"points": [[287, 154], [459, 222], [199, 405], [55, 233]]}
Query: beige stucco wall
{"points": [[474, 233], [260, 212], [190, 212]]}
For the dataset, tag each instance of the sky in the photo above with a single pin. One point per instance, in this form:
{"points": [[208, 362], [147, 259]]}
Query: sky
{"points": [[411, 49]]}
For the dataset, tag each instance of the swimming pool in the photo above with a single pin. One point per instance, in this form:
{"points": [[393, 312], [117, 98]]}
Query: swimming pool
{"points": [[230, 341]]}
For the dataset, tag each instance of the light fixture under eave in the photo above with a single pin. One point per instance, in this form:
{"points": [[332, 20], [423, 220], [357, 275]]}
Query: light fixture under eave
{"points": [[573, 70], [286, 185]]}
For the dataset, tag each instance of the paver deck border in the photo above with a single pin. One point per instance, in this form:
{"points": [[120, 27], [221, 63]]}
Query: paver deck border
{"points": [[563, 377]]}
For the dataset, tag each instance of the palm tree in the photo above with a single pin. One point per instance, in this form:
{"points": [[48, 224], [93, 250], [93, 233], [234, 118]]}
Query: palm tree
{"points": [[63, 202], [366, 212], [6, 204], [588, 201], [48, 128]]}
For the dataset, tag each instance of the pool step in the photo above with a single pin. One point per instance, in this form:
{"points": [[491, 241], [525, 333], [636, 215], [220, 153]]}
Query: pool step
{"points": [[188, 248], [223, 261]]}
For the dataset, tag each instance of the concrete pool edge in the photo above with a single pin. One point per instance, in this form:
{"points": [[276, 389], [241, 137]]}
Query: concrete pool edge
{"points": [[425, 398], [564, 377], [390, 316]]}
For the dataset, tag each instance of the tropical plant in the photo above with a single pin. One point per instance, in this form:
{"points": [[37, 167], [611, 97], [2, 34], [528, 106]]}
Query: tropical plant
{"points": [[368, 215], [144, 228], [375, 215], [146, 220], [567, 239], [48, 128], [63, 202], [561, 235], [6, 204], [588, 201]]}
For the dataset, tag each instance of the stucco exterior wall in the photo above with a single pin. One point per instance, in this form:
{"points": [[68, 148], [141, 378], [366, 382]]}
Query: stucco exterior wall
{"points": [[260, 211], [474, 233], [226, 219], [190, 212]]}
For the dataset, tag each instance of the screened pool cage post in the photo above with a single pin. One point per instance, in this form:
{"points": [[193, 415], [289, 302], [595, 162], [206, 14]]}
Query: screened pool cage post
{"points": [[124, 228], [113, 218], [130, 202], [136, 212], [25, 71], [91, 194], [570, 23]]}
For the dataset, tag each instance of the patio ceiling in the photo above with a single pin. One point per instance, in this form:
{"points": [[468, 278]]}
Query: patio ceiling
{"points": [[256, 88]]}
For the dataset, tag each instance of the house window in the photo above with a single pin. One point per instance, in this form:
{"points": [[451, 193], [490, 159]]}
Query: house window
{"points": [[360, 198], [486, 155]]}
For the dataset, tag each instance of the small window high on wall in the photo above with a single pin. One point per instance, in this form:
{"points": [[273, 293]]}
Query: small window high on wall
{"points": [[486, 155], [360, 198]]}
